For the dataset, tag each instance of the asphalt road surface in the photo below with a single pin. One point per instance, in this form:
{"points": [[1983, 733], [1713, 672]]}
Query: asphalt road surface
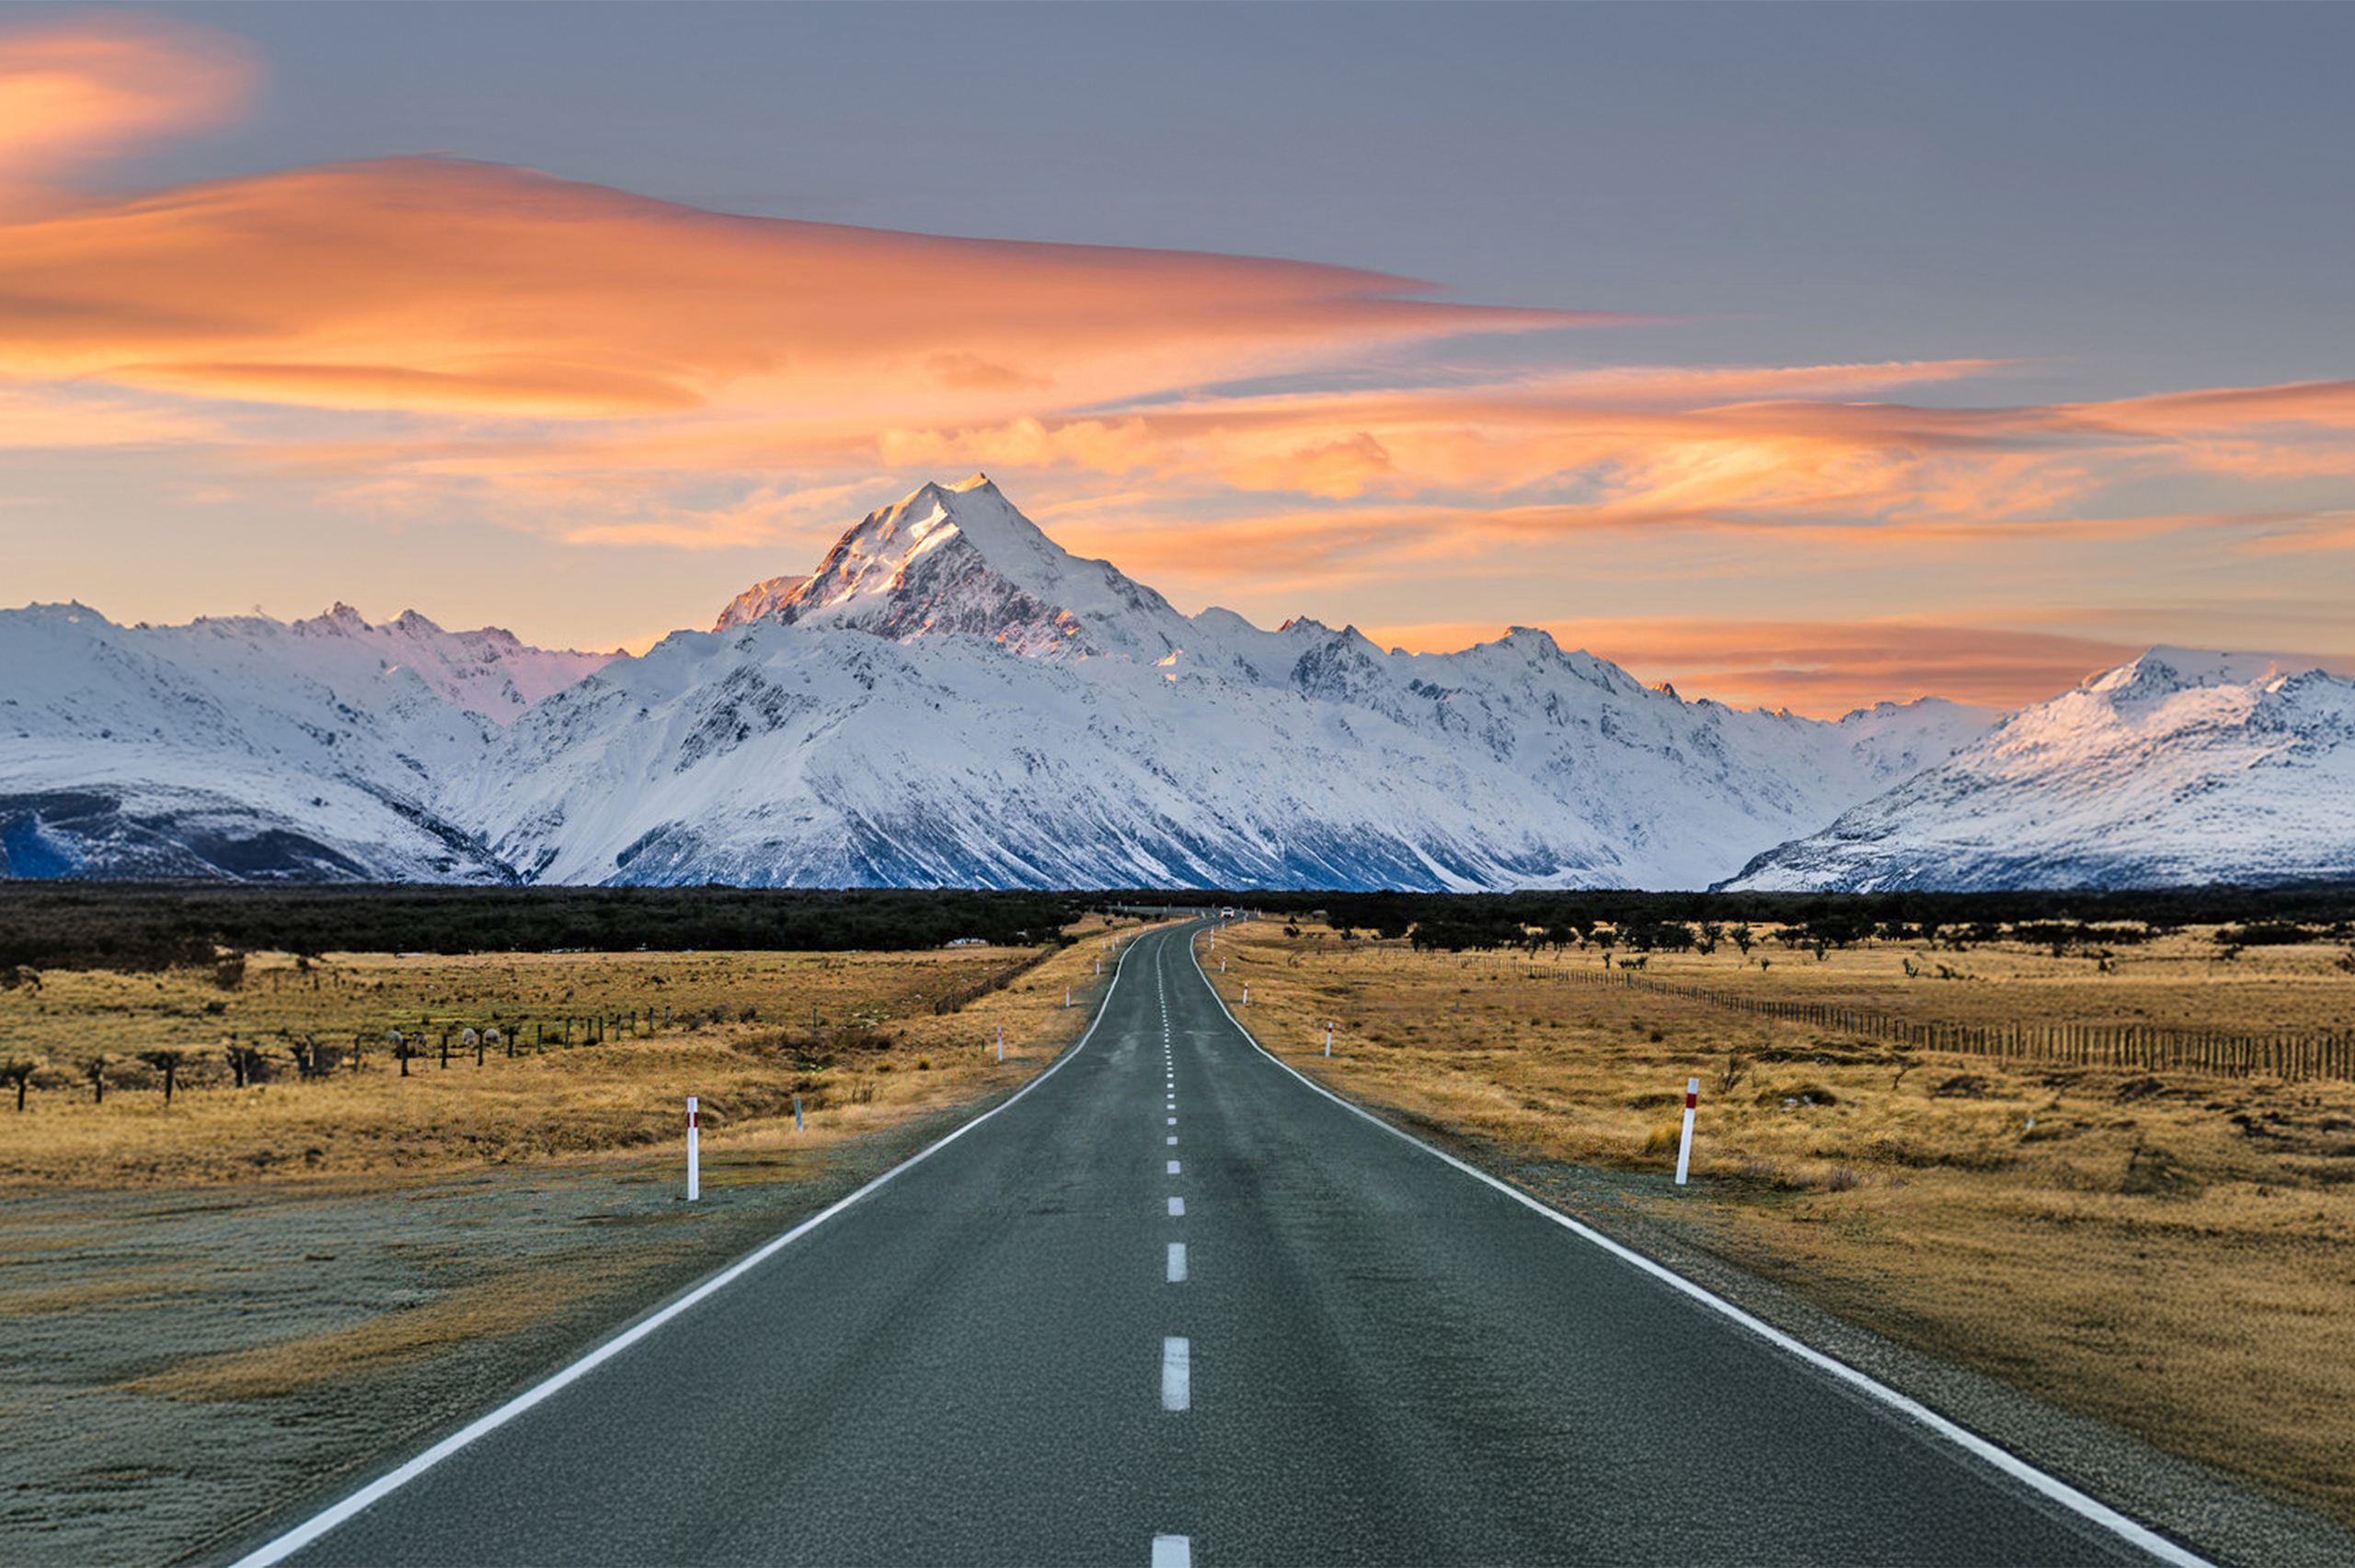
{"points": [[1171, 1305]]}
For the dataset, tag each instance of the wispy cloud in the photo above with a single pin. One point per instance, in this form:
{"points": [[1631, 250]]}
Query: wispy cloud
{"points": [[76, 92]]}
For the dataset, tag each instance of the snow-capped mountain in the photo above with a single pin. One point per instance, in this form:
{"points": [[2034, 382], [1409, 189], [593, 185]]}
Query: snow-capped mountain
{"points": [[953, 698], [2179, 768], [949, 697], [248, 748]]}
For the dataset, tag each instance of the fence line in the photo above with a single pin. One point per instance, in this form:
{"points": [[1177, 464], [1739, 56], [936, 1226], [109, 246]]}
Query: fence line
{"points": [[2291, 1055], [958, 1000]]}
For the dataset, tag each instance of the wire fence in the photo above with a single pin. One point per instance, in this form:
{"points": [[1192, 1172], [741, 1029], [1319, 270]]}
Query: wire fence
{"points": [[2289, 1055]]}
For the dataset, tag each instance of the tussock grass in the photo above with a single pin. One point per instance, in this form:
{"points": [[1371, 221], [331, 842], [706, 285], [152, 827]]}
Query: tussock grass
{"points": [[2167, 1251], [741, 1038]]}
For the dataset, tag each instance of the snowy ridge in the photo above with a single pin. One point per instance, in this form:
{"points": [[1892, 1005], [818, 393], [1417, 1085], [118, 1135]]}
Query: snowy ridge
{"points": [[489, 673], [246, 747], [758, 603], [2181, 767], [773, 755]]}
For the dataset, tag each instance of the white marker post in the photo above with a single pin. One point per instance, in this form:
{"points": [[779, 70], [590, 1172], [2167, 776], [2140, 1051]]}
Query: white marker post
{"points": [[694, 1154], [1328, 1036], [1246, 993], [1684, 1148], [797, 1113], [1001, 1042]]}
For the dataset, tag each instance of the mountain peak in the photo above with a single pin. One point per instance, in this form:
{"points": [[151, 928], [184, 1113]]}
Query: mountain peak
{"points": [[2164, 671], [961, 558]]}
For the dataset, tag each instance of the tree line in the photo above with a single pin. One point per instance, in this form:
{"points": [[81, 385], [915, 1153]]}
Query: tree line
{"points": [[1457, 922], [154, 926]]}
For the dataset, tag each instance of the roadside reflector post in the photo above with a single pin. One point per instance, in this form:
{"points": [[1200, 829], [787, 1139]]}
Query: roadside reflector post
{"points": [[694, 1153], [1246, 993], [797, 1113], [1328, 1036], [1067, 996], [1001, 1042], [1684, 1145]]}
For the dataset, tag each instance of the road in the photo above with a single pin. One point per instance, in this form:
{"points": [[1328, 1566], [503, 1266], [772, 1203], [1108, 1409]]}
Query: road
{"points": [[1172, 1305]]}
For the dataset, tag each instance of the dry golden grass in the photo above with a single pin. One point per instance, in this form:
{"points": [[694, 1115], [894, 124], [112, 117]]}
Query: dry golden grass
{"points": [[2181, 981], [740, 1039], [506, 1303], [2168, 1253]]}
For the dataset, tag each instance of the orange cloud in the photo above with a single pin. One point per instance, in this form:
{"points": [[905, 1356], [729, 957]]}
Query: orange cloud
{"points": [[2324, 531], [470, 288], [90, 88], [1657, 448], [2321, 405], [1824, 668]]}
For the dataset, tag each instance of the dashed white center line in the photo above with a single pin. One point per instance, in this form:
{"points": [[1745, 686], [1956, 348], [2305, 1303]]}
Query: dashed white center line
{"points": [[1173, 1552], [1173, 1121], [1177, 1262], [1173, 1167], [1177, 1375], [1172, 1139], [1177, 1209]]}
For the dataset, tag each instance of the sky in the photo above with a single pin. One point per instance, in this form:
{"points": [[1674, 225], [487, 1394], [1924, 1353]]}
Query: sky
{"points": [[1802, 356]]}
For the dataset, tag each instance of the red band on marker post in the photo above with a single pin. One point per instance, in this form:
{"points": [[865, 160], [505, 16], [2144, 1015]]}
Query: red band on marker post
{"points": [[1685, 1144]]}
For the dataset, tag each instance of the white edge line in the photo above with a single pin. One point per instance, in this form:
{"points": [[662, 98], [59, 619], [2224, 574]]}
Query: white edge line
{"points": [[311, 1530], [2010, 1464]]}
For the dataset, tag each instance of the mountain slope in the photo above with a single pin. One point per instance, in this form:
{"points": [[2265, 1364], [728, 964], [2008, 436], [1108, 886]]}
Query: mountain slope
{"points": [[2180, 768], [246, 747], [489, 671], [757, 602]]}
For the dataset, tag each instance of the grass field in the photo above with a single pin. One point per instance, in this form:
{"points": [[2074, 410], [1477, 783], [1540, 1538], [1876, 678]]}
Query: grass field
{"points": [[2169, 1253], [735, 1029]]}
